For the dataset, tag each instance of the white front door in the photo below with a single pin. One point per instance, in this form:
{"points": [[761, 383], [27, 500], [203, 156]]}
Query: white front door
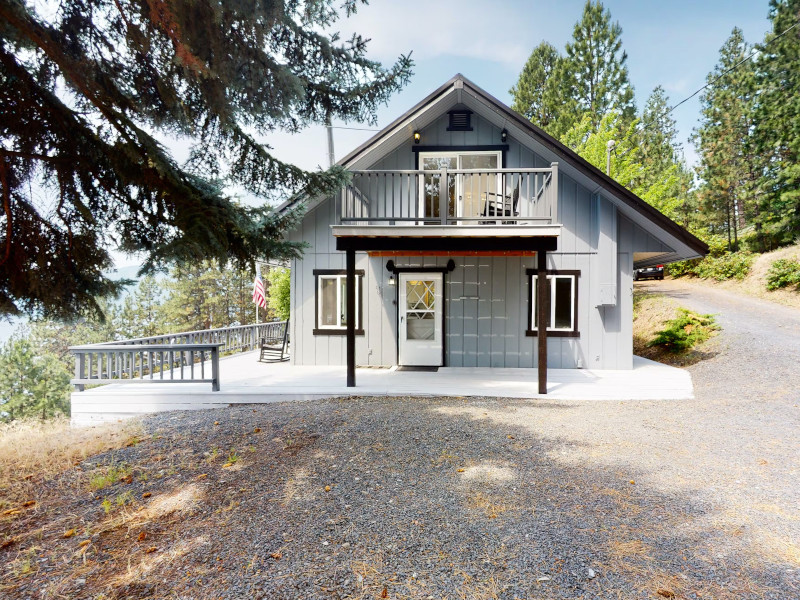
{"points": [[420, 319]]}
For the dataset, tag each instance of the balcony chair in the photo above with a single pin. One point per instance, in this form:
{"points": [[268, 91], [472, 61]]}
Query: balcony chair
{"points": [[501, 206], [275, 346]]}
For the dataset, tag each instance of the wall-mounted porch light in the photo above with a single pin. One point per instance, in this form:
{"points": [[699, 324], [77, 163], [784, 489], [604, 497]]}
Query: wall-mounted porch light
{"points": [[417, 137], [504, 136], [392, 280]]}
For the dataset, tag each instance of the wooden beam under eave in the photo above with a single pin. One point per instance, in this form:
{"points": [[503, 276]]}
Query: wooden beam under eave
{"points": [[542, 316], [454, 245]]}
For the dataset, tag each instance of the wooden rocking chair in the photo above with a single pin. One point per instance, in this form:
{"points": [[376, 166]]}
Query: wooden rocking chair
{"points": [[275, 347]]}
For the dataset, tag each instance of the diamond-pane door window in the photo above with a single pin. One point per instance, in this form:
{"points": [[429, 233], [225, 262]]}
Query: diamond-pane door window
{"points": [[420, 310]]}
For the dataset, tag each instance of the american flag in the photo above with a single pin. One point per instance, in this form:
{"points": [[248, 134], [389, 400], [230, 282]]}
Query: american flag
{"points": [[258, 292]]}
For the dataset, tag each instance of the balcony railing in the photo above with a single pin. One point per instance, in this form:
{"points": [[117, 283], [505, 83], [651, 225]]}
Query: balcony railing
{"points": [[450, 197], [187, 357]]}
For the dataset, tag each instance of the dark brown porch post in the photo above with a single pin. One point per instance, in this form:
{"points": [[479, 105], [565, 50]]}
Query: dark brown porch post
{"points": [[351, 317], [542, 316]]}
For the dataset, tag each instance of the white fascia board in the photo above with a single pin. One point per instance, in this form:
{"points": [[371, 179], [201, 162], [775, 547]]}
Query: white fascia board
{"points": [[434, 231]]}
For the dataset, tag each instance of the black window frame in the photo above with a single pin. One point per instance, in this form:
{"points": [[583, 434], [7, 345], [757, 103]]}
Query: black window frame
{"points": [[359, 303], [531, 274]]}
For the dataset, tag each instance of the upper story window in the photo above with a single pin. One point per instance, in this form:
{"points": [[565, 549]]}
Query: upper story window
{"points": [[460, 120], [562, 318]]}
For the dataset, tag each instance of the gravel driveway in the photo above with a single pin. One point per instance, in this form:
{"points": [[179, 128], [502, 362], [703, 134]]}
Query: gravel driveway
{"points": [[472, 498]]}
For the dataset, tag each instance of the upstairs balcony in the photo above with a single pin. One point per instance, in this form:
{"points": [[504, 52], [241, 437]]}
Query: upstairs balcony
{"points": [[449, 203]]}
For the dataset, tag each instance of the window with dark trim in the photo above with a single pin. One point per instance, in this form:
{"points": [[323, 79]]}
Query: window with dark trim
{"points": [[330, 302], [562, 320]]}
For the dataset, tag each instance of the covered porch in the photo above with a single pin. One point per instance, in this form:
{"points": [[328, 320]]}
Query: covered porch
{"points": [[246, 380]]}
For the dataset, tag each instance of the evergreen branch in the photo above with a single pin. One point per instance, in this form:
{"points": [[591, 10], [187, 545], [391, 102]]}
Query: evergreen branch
{"points": [[7, 209]]}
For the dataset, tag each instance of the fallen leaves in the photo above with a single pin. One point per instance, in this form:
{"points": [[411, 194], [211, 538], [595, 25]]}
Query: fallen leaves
{"points": [[147, 494], [7, 542], [69, 533], [257, 430], [29, 503], [202, 475], [459, 470], [142, 536], [665, 593], [385, 592], [151, 549], [327, 488], [84, 543], [11, 512], [276, 555]]}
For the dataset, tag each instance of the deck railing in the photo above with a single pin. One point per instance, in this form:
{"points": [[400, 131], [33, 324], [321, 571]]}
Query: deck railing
{"points": [[188, 357], [450, 197]]}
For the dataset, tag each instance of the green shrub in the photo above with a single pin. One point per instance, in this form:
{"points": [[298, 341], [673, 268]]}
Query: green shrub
{"points": [[731, 265], [683, 268], [782, 273], [279, 288], [683, 332]]}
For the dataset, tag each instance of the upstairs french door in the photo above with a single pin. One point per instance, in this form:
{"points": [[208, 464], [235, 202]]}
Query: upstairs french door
{"points": [[466, 193]]}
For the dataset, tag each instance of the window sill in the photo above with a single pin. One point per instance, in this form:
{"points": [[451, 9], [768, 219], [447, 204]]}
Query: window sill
{"points": [[335, 332], [550, 334]]}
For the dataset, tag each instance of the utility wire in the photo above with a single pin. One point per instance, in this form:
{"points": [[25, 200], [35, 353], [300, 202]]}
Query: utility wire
{"points": [[721, 75], [713, 81], [353, 128]]}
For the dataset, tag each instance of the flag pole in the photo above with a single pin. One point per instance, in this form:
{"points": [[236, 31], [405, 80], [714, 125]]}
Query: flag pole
{"points": [[257, 272]]}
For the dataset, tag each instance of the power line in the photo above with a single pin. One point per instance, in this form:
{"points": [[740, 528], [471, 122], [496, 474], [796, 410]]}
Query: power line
{"points": [[721, 75], [353, 128], [715, 80]]}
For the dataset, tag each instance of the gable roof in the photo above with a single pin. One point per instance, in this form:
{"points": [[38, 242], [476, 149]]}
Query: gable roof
{"points": [[460, 90]]}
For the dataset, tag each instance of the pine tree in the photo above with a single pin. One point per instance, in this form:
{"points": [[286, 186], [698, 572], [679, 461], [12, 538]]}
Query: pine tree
{"points": [[627, 162], [593, 73], [776, 134], [662, 159], [536, 93], [727, 166], [140, 314], [88, 90], [32, 383]]}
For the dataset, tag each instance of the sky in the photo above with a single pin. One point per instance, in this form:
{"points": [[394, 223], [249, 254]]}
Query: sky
{"points": [[674, 43]]}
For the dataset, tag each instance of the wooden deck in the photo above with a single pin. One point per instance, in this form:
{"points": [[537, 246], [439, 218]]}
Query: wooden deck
{"points": [[245, 380]]}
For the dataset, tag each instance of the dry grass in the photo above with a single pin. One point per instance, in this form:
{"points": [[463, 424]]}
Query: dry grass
{"points": [[755, 284], [34, 451], [650, 313]]}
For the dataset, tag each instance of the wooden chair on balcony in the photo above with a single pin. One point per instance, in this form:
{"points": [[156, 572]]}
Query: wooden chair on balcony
{"points": [[501, 206], [275, 346]]}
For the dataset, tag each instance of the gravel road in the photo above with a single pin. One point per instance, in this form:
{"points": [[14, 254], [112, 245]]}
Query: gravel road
{"points": [[470, 497]]}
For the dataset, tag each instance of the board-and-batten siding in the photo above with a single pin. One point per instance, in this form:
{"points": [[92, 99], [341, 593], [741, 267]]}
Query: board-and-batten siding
{"points": [[487, 299]]}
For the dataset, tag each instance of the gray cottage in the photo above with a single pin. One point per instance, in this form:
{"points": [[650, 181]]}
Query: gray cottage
{"points": [[468, 237]]}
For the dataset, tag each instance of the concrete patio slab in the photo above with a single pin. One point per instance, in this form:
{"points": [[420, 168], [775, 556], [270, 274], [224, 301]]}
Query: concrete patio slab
{"points": [[245, 380]]}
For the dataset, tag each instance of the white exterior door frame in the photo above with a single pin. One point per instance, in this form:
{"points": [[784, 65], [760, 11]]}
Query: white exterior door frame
{"points": [[420, 319]]}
